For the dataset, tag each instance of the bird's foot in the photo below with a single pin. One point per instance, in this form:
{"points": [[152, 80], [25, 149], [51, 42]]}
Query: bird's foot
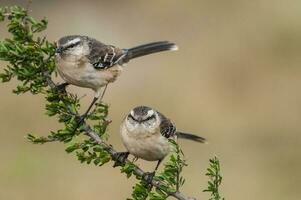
{"points": [[79, 121], [62, 87], [148, 177], [120, 158]]}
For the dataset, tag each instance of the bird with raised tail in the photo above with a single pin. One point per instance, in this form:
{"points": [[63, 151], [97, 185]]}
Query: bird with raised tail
{"points": [[145, 133], [86, 62]]}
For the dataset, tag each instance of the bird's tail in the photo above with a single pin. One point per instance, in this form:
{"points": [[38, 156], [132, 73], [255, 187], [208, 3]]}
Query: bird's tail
{"points": [[189, 136], [149, 48]]}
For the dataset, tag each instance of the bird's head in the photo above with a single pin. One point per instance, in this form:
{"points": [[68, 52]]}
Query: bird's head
{"points": [[142, 118], [72, 45]]}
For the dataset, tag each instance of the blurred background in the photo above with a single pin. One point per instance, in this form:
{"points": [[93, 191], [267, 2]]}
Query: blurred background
{"points": [[235, 80]]}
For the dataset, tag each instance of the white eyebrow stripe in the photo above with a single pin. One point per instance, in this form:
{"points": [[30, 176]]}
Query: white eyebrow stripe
{"points": [[150, 112], [74, 41]]}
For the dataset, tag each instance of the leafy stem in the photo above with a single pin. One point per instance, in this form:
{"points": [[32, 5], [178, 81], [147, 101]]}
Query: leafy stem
{"points": [[215, 179]]}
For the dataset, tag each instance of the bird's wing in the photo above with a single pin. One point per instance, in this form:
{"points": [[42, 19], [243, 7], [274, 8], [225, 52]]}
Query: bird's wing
{"points": [[104, 56], [167, 127]]}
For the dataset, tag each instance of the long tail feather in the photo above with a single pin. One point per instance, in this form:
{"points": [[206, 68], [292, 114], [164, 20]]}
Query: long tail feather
{"points": [[189, 136], [147, 49]]}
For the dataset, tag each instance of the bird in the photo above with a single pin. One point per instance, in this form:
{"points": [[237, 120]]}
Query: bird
{"points": [[145, 133], [86, 62]]}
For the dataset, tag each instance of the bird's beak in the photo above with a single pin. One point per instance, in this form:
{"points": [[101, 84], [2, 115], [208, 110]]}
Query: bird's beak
{"points": [[59, 50], [140, 119]]}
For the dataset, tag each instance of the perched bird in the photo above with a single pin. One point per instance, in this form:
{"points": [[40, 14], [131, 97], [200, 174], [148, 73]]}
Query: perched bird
{"points": [[145, 133], [88, 63]]}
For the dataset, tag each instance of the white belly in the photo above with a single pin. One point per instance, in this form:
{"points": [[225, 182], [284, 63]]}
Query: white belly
{"points": [[149, 147], [83, 74]]}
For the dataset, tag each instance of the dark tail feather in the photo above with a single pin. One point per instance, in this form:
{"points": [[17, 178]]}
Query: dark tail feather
{"points": [[189, 136], [149, 48]]}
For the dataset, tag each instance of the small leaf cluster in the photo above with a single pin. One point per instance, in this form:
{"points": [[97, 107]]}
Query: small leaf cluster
{"points": [[128, 169], [23, 52], [141, 191], [65, 106], [100, 118], [173, 168], [88, 151], [215, 179]]}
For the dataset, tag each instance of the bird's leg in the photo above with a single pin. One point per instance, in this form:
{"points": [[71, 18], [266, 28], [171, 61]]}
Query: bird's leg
{"points": [[82, 118], [120, 158], [100, 99], [62, 87], [148, 176], [97, 95], [103, 92]]}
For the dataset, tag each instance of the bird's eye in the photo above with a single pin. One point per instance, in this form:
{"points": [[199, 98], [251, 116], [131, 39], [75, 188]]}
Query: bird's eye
{"points": [[150, 117], [131, 117], [72, 45]]}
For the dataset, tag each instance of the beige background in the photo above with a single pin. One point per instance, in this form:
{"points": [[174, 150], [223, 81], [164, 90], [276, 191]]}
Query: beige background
{"points": [[235, 80]]}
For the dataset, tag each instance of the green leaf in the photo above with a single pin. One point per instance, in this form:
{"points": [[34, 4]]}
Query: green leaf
{"points": [[72, 147], [215, 179]]}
